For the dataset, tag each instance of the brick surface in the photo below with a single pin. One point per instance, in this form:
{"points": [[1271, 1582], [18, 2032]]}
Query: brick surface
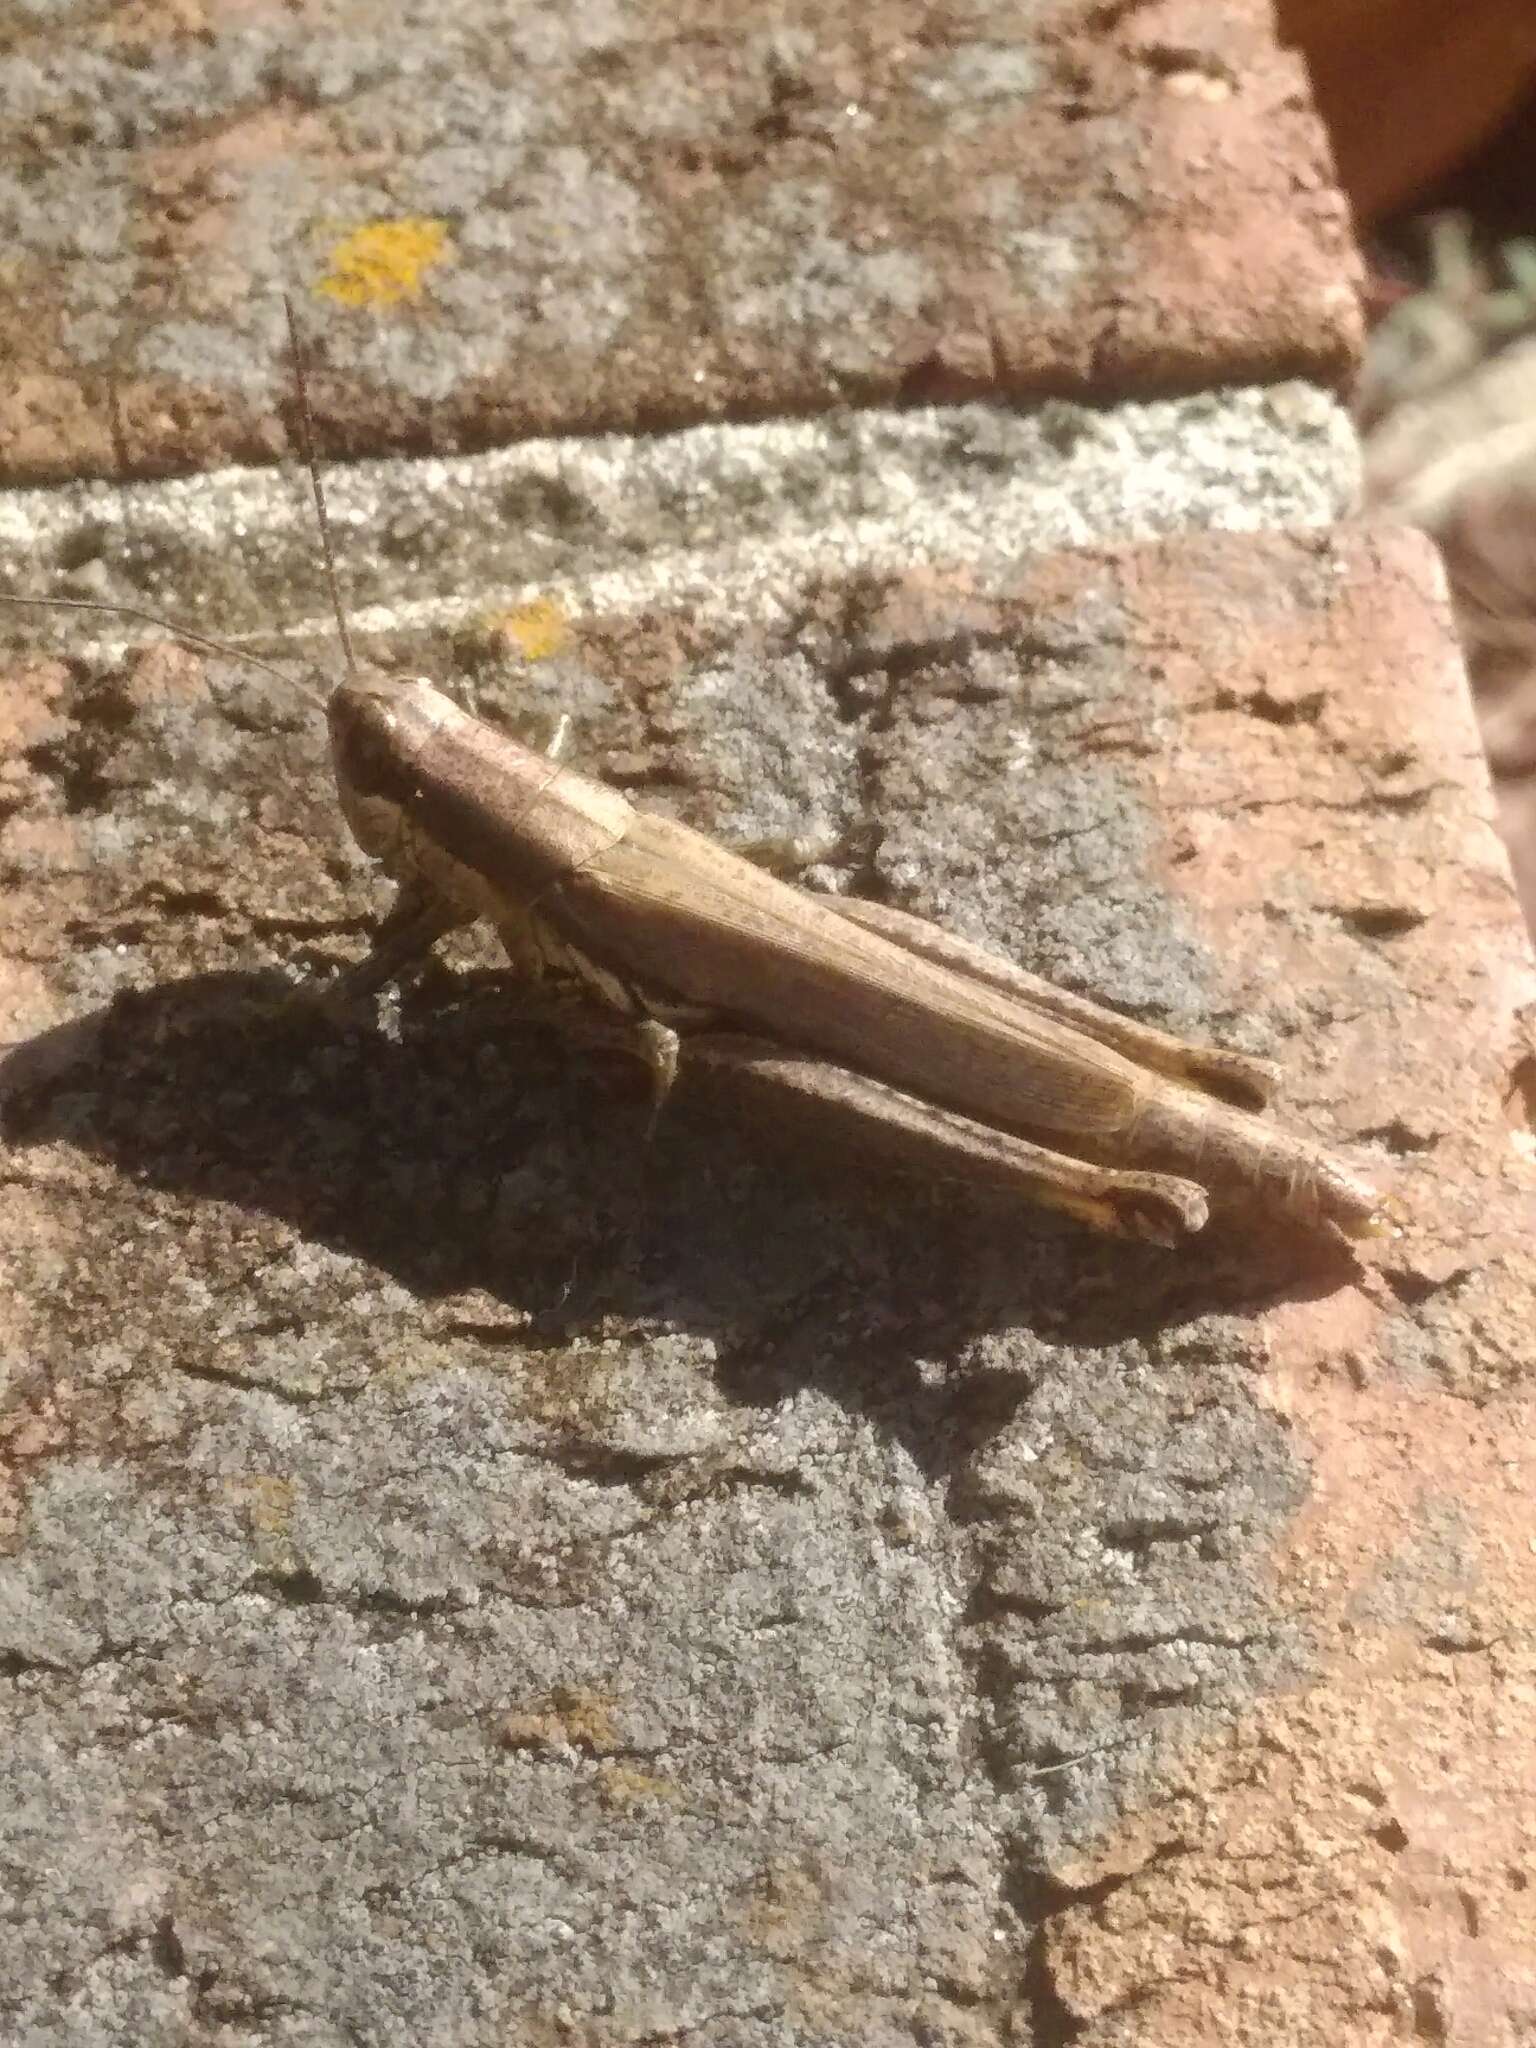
{"points": [[470, 1573], [557, 219], [465, 1562]]}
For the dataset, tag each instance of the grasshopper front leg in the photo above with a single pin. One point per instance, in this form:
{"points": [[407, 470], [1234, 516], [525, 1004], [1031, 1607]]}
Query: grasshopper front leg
{"points": [[406, 933], [936, 1144]]}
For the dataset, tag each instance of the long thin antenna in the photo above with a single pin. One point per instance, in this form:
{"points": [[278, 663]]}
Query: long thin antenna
{"points": [[204, 642], [307, 440]]}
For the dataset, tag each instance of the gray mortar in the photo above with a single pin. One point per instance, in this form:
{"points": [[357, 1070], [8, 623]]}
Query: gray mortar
{"points": [[728, 521], [509, 1582]]}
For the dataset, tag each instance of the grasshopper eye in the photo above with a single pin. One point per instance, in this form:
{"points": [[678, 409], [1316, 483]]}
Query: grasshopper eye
{"points": [[366, 745]]}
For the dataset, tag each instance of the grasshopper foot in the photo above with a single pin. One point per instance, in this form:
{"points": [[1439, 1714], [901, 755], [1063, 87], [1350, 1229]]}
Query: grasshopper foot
{"points": [[657, 1044]]}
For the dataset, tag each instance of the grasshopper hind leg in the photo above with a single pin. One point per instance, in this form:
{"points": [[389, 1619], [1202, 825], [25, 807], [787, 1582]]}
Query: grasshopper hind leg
{"points": [[842, 1109]]}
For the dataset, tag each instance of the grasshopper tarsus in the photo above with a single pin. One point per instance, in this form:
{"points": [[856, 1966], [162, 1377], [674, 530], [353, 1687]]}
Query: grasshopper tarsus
{"points": [[660, 1047], [402, 939]]}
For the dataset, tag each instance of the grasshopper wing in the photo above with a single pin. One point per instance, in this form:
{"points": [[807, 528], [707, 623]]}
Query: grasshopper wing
{"points": [[672, 910]]}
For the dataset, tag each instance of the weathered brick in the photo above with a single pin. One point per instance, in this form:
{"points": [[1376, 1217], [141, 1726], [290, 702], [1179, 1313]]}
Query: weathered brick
{"points": [[393, 1384], [558, 220]]}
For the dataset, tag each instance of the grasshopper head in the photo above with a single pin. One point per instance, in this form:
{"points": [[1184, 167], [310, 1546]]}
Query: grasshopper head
{"points": [[379, 725]]}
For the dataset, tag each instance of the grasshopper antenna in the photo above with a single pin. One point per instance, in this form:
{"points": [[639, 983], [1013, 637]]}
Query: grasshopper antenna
{"points": [[203, 642], [307, 448]]}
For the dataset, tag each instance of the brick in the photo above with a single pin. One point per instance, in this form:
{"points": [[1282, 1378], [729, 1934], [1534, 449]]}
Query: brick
{"points": [[557, 221], [933, 1623], [1161, 1615]]}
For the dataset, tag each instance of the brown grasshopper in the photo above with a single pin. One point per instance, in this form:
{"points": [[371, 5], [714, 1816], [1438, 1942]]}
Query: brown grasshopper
{"points": [[947, 1059], [919, 1044]]}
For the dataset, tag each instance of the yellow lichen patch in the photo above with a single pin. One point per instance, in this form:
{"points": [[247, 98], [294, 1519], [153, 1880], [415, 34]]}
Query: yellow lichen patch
{"points": [[267, 1499], [621, 1786], [786, 1910], [537, 629], [572, 1717], [384, 261]]}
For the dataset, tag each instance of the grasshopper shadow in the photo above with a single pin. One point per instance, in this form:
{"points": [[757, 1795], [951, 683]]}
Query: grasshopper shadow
{"points": [[470, 1153]]}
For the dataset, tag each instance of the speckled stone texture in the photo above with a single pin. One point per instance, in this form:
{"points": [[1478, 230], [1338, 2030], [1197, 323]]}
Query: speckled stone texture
{"points": [[576, 214], [472, 1573]]}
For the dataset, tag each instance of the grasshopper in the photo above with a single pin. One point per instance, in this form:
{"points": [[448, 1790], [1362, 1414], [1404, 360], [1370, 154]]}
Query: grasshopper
{"points": [[890, 1032], [913, 1042]]}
